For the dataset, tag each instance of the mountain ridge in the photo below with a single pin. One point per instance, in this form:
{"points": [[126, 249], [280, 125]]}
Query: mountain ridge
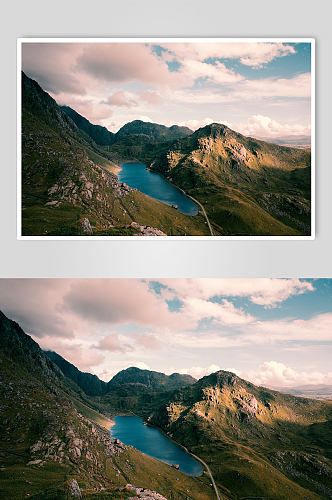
{"points": [[265, 440]]}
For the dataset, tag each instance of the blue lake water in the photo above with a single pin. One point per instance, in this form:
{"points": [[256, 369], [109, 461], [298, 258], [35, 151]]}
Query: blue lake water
{"points": [[137, 176], [149, 440]]}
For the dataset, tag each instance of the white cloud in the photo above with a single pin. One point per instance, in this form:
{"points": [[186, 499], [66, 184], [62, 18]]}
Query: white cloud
{"points": [[275, 374], [224, 313], [250, 54], [196, 124], [199, 371], [263, 126], [262, 291], [298, 86], [121, 99], [317, 328], [114, 343], [216, 73]]}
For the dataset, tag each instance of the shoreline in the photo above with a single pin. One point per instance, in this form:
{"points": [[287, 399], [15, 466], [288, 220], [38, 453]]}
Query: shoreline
{"points": [[145, 422], [198, 204]]}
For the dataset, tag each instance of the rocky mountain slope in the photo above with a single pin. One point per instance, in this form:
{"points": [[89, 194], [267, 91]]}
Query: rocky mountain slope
{"points": [[247, 186], [68, 181], [257, 442], [54, 445]]}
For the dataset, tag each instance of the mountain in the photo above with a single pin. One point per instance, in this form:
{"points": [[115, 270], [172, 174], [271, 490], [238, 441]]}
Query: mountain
{"points": [[153, 131], [151, 380], [131, 378], [141, 141], [100, 135], [247, 186], [90, 384], [138, 130], [257, 442], [134, 388], [55, 446], [68, 182]]}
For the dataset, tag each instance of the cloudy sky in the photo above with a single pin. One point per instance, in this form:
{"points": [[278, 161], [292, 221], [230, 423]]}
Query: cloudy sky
{"points": [[273, 332], [260, 89]]}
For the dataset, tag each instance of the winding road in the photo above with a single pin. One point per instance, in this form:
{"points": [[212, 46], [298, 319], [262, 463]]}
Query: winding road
{"points": [[203, 211], [197, 202], [209, 472], [202, 462]]}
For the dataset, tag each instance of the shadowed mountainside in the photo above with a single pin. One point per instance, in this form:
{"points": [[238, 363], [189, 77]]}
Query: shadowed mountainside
{"points": [[143, 381], [69, 186], [54, 443]]}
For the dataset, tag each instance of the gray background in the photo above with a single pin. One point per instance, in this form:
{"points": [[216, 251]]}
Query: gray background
{"points": [[252, 258]]}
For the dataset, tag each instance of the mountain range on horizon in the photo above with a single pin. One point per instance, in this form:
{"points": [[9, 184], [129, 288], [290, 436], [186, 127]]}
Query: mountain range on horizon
{"points": [[92, 385], [54, 436], [104, 137], [244, 186]]}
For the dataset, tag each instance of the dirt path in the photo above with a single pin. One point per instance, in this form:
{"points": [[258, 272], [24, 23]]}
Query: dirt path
{"points": [[209, 472], [203, 210]]}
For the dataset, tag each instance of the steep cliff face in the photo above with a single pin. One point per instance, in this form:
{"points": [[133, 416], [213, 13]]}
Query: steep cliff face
{"points": [[41, 429], [235, 176]]}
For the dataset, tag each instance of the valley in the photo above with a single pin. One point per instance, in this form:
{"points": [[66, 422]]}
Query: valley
{"points": [[72, 184], [54, 432]]}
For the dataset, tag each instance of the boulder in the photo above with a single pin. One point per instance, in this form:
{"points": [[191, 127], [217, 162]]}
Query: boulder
{"points": [[86, 226], [74, 489]]}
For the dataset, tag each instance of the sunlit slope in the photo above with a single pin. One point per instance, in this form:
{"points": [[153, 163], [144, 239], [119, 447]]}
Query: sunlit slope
{"points": [[247, 186], [257, 442]]}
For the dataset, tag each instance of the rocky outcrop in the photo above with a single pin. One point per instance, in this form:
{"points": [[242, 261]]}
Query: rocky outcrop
{"points": [[147, 230], [68, 445], [74, 489], [143, 493], [248, 403], [86, 226]]}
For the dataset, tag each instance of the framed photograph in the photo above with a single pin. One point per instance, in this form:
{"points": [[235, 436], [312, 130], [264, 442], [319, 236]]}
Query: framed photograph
{"points": [[183, 138]]}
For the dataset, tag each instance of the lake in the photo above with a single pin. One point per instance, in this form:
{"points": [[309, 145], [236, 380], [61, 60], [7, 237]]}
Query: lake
{"points": [[152, 442], [138, 177]]}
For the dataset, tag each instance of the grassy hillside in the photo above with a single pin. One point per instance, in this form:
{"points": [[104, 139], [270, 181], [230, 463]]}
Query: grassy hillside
{"points": [[247, 186], [257, 442]]}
